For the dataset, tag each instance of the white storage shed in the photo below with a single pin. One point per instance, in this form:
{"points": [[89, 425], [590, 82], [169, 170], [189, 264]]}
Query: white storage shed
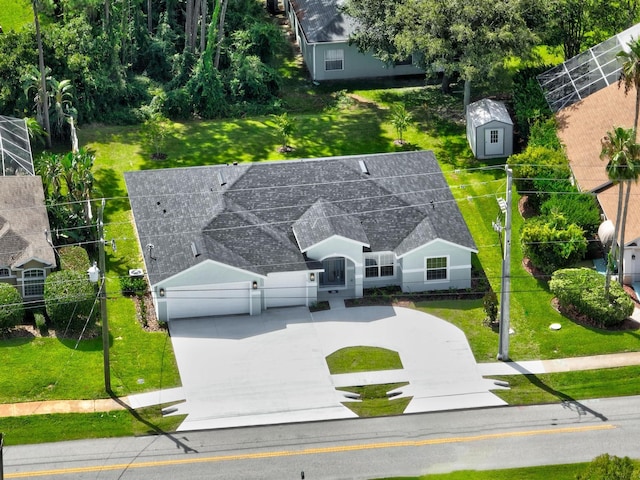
{"points": [[489, 129]]}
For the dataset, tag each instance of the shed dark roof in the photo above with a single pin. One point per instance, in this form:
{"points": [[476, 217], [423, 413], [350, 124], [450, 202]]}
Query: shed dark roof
{"points": [[23, 221], [323, 21], [249, 222]]}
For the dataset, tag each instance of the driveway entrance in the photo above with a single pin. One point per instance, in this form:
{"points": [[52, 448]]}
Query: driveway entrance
{"points": [[271, 368]]}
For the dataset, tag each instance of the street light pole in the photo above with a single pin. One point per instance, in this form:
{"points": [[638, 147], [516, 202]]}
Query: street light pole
{"points": [[503, 347]]}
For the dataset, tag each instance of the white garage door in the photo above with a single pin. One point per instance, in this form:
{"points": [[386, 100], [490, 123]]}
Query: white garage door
{"points": [[208, 300], [285, 290]]}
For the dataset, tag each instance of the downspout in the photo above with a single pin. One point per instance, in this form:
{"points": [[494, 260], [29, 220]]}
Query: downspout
{"points": [[314, 62]]}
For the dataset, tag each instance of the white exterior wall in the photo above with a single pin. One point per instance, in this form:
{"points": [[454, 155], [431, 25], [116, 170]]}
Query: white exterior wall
{"points": [[413, 267], [373, 282], [342, 247], [471, 136]]}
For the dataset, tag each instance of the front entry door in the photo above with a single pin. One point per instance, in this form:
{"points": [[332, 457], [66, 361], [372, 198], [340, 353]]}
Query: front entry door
{"points": [[333, 275]]}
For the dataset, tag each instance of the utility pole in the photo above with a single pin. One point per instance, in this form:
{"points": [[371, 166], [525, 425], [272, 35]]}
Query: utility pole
{"points": [[103, 299], [503, 347], [1, 456]]}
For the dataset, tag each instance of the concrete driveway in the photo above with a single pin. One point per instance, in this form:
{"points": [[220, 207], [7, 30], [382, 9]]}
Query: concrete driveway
{"points": [[271, 368]]}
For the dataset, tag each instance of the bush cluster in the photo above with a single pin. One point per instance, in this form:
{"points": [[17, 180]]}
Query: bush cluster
{"points": [[74, 258], [529, 103], [133, 285], [583, 289], [11, 308], [69, 299]]}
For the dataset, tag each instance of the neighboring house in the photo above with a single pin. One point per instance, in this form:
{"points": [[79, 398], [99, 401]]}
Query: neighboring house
{"points": [[322, 32], [489, 129], [247, 237], [26, 258], [581, 128]]}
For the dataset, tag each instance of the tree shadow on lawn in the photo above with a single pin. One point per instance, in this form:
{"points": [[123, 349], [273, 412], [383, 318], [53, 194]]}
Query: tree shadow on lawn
{"points": [[566, 401]]}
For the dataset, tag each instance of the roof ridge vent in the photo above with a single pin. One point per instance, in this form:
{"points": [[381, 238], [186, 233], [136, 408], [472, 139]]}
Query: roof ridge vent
{"points": [[363, 167]]}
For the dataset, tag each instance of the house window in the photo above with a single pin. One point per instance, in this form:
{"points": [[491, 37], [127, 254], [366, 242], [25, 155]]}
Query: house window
{"points": [[436, 268], [334, 59], [33, 282], [493, 136], [4, 272], [378, 265]]}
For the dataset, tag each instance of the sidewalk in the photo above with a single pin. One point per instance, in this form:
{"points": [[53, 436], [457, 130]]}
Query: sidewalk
{"points": [[535, 367]]}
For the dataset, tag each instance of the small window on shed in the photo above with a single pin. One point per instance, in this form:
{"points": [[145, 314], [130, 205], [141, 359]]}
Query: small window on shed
{"points": [[493, 136], [334, 59]]}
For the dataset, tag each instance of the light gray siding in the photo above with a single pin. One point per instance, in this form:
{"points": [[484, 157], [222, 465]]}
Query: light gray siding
{"points": [[413, 265]]}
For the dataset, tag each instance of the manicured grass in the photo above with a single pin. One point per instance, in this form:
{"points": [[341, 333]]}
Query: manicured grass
{"points": [[15, 14], [569, 386], [375, 402], [74, 426], [555, 472], [363, 359]]}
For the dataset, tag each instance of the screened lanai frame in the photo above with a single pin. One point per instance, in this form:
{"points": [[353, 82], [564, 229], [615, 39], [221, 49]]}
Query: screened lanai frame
{"points": [[587, 72], [15, 148]]}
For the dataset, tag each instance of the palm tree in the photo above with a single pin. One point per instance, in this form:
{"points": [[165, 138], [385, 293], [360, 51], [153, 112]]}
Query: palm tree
{"points": [[630, 75], [623, 156], [62, 103], [44, 99]]}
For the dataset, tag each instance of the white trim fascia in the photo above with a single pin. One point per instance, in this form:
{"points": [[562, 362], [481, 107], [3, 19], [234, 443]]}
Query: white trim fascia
{"points": [[202, 265], [447, 242], [348, 240], [339, 255], [35, 259]]}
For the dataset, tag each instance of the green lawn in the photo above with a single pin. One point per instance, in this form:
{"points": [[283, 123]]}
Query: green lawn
{"points": [[15, 14], [363, 359], [555, 472]]}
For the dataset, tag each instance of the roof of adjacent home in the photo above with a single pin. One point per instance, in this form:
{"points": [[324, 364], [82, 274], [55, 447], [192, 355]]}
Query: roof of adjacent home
{"points": [[323, 21], [23, 221], [263, 217], [487, 110], [581, 128]]}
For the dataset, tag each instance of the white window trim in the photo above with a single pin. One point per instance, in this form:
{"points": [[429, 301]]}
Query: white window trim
{"points": [[25, 280], [338, 57], [376, 256], [447, 269], [8, 270], [492, 137]]}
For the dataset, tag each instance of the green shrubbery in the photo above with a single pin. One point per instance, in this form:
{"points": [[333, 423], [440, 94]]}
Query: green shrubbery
{"points": [[607, 467], [583, 289], [133, 285], [69, 298], [581, 208], [551, 242], [11, 308], [529, 103]]}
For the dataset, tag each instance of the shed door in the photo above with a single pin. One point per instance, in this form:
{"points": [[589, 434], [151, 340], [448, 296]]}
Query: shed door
{"points": [[208, 300], [494, 141]]}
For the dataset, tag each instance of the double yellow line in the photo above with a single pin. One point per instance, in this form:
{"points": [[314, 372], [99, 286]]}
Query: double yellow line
{"points": [[309, 451]]}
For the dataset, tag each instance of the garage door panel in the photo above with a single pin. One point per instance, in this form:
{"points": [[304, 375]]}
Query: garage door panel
{"points": [[208, 300]]}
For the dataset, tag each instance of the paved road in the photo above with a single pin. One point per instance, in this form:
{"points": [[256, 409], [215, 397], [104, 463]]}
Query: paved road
{"points": [[351, 449]]}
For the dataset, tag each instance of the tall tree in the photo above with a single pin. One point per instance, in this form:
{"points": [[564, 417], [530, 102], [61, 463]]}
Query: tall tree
{"points": [[623, 165], [44, 99], [471, 38]]}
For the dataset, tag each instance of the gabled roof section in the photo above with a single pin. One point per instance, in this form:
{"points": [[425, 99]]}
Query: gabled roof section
{"points": [[23, 222], [324, 220], [487, 110], [323, 20], [586, 73], [15, 148], [253, 220]]}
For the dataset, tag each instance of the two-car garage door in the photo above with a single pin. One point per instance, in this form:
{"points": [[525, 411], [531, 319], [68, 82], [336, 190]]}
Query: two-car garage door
{"points": [[208, 300]]}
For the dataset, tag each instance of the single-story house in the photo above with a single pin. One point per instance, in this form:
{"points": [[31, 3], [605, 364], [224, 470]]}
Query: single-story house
{"points": [[322, 32], [489, 129], [241, 238], [581, 128], [26, 257]]}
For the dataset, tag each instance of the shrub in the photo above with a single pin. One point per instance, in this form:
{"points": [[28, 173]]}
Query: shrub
{"points": [[529, 103], [74, 258], [490, 306], [544, 133], [581, 208], [11, 307], [583, 289], [40, 321], [550, 242], [69, 298], [606, 467], [133, 285]]}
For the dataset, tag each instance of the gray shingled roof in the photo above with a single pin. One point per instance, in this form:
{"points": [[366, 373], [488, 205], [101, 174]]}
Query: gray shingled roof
{"points": [[249, 222], [487, 110], [322, 20], [324, 220], [23, 221]]}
